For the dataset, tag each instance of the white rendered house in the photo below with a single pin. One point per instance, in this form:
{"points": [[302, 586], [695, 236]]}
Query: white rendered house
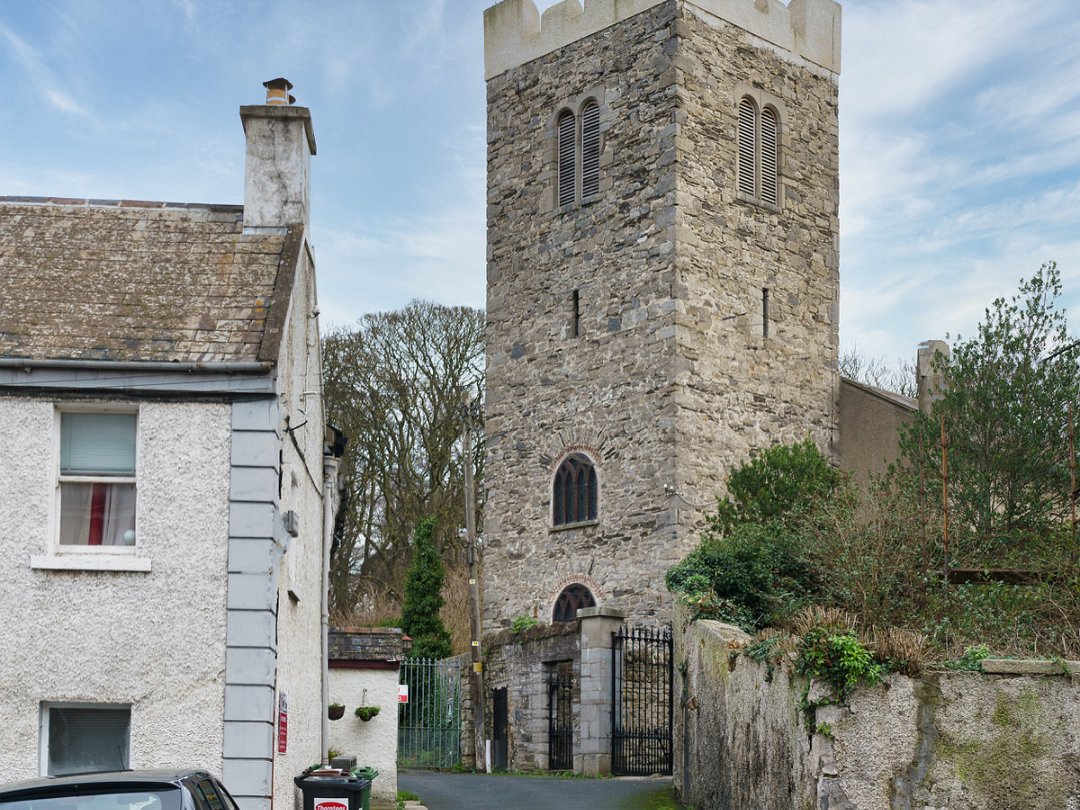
{"points": [[167, 486]]}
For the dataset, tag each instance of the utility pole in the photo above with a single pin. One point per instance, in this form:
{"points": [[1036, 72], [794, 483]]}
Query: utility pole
{"points": [[474, 593]]}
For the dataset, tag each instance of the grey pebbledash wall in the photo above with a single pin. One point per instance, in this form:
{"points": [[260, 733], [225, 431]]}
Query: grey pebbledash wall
{"points": [[961, 741], [671, 378]]}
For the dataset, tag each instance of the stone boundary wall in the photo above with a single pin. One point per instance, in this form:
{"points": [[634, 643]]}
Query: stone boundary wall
{"points": [[962, 741], [520, 664]]}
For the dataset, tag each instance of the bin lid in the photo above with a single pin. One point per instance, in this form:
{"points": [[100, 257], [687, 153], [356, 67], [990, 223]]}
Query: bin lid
{"points": [[348, 783]]}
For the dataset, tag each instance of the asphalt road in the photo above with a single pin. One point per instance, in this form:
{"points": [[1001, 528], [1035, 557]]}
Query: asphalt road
{"points": [[469, 791]]}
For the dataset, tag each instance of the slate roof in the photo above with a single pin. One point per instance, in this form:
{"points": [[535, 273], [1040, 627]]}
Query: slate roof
{"points": [[366, 644], [140, 281]]}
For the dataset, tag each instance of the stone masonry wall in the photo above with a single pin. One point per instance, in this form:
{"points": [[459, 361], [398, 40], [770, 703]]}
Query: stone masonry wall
{"points": [[520, 664], [670, 381], [609, 392], [737, 389], [962, 741]]}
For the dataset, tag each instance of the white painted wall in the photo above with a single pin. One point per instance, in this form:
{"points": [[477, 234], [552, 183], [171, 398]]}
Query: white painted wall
{"points": [[373, 743], [154, 640], [300, 568]]}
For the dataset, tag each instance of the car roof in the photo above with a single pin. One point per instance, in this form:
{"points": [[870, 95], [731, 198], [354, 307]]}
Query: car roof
{"points": [[123, 779]]}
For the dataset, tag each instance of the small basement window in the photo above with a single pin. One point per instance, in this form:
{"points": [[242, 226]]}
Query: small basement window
{"points": [[85, 738]]}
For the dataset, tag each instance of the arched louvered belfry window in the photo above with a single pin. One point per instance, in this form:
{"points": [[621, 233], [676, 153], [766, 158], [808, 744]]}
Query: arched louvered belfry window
{"points": [[590, 149], [574, 495], [747, 140], [758, 140], [770, 128], [573, 597], [566, 126]]}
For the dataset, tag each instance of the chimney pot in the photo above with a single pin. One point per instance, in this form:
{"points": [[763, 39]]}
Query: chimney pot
{"points": [[277, 92]]}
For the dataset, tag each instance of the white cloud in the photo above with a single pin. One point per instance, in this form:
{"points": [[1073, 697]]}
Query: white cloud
{"points": [[65, 103]]}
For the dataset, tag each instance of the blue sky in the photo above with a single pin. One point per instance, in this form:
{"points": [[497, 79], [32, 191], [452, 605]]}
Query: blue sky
{"points": [[960, 139]]}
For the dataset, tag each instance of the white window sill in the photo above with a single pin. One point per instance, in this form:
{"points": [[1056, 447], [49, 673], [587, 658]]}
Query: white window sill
{"points": [[90, 562]]}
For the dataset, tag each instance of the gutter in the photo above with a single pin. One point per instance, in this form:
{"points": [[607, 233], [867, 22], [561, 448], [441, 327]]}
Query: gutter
{"points": [[331, 466], [247, 367]]}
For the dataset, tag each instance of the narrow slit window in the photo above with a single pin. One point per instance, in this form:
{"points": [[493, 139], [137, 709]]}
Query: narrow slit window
{"points": [[590, 149], [567, 157], [765, 312], [575, 317]]}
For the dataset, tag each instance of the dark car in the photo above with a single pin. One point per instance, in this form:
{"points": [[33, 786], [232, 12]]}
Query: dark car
{"points": [[119, 790]]}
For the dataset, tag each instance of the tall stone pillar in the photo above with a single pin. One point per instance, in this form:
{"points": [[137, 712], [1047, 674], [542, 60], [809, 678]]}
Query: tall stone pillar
{"points": [[593, 754]]}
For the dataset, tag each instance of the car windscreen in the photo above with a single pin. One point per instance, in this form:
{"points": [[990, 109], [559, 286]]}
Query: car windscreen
{"points": [[158, 798]]}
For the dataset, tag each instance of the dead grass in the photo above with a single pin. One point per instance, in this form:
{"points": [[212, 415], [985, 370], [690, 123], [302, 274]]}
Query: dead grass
{"points": [[380, 608]]}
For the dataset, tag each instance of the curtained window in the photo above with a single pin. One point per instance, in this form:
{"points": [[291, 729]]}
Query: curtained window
{"points": [[97, 479]]}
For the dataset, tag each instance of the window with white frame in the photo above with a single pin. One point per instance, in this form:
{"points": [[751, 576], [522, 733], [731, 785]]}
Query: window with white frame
{"points": [[81, 738], [758, 140], [97, 479]]}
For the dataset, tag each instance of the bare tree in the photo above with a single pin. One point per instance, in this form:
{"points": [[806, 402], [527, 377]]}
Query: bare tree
{"points": [[898, 377], [396, 385]]}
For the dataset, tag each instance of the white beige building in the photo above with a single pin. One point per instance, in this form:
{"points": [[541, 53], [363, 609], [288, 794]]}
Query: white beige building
{"points": [[166, 482]]}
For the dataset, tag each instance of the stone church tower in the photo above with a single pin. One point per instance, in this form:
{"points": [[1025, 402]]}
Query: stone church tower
{"points": [[663, 280]]}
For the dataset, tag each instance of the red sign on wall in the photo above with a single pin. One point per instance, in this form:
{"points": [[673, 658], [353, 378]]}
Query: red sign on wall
{"points": [[282, 723]]}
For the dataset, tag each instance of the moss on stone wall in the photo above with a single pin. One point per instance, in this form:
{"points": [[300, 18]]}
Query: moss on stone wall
{"points": [[1006, 770]]}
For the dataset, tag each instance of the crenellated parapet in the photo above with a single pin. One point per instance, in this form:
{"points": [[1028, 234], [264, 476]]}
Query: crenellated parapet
{"points": [[516, 33]]}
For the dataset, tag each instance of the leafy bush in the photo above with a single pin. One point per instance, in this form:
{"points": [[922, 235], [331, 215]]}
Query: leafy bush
{"points": [[971, 660], [787, 482], [839, 659], [523, 623], [752, 567], [753, 576]]}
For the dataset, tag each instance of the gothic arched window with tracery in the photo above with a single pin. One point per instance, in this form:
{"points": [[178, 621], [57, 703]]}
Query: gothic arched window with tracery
{"points": [[574, 495], [573, 597]]}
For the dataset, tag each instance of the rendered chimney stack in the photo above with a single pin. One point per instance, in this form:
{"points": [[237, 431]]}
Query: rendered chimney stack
{"points": [[280, 143]]}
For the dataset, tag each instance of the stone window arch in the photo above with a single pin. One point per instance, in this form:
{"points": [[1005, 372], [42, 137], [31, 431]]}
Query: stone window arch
{"points": [[572, 598], [576, 133], [575, 492], [757, 138]]}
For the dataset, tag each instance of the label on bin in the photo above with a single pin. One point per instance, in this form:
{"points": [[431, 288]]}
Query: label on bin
{"points": [[331, 804]]}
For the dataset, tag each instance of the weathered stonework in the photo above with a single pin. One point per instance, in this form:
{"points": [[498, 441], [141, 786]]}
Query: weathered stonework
{"points": [[671, 379], [520, 664], [946, 740]]}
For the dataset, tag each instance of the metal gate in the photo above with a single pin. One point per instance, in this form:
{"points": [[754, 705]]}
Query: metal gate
{"points": [[560, 721], [641, 688], [429, 725]]}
